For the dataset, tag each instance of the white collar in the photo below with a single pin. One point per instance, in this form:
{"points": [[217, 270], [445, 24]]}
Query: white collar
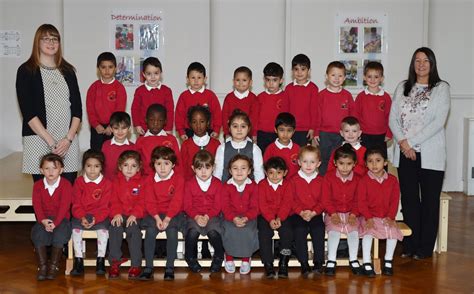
{"points": [[327, 88], [241, 95], [113, 80], [52, 187], [114, 142], [281, 146], [240, 145], [161, 133], [307, 178], [230, 139], [149, 88], [381, 92], [378, 179], [200, 90], [204, 185], [96, 181], [241, 187], [201, 141], [304, 85], [275, 186], [356, 146], [158, 179], [277, 92], [348, 178]]}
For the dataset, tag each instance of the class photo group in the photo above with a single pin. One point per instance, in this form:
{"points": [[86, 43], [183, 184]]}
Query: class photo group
{"points": [[296, 158]]}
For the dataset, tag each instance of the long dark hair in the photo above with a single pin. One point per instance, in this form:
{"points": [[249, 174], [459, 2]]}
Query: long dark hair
{"points": [[433, 79]]}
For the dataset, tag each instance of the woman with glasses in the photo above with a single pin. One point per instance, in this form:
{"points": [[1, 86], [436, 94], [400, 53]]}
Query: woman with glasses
{"points": [[50, 103]]}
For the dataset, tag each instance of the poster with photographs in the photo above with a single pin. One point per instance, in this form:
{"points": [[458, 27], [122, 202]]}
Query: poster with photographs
{"points": [[134, 36], [361, 37]]}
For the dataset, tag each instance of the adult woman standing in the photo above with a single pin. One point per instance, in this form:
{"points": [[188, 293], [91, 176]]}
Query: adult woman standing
{"points": [[50, 103], [417, 119]]}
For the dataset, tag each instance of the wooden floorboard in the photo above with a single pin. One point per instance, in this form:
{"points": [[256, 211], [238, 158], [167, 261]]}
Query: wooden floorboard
{"points": [[450, 272]]}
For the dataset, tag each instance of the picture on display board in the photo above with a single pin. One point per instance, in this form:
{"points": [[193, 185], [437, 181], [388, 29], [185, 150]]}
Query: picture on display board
{"points": [[351, 73], [349, 39], [149, 37], [125, 70], [372, 40], [124, 37]]}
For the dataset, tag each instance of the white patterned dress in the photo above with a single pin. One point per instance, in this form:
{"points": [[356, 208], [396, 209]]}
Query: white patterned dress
{"points": [[58, 119]]}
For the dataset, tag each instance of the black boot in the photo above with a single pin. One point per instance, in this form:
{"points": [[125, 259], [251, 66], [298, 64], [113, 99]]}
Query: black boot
{"points": [[78, 268], [169, 274], [53, 268], [216, 264], [269, 270], [100, 266], [283, 266], [42, 257], [305, 269]]}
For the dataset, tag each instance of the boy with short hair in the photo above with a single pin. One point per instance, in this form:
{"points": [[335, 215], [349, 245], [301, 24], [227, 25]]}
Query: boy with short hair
{"points": [[283, 146], [120, 125], [372, 108], [241, 98], [334, 104], [303, 94], [197, 94], [268, 105], [156, 119], [151, 92]]}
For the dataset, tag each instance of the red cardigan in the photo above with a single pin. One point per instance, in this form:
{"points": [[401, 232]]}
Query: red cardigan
{"points": [[104, 99], [289, 155], [144, 98], [331, 109], [360, 168], [56, 206], [186, 100], [128, 197], [373, 112], [231, 102], [91, 198], [145, 146], [189, 149], [164, 196], [265, 110], [243, 204], [307, 196], [273, 204], [198, 202], [303, 101], [378, 200], [339, 196], [112, 153]]}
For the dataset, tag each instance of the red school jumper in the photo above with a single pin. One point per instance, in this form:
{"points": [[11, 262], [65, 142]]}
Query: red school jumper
{"points": [[91, 198], [146, 96], [373, 112], [128, 197], [104, 99], [146, 144], [231, 102], [56, 206], [290, 155], [331, 109], [243, 204], [189, 149], [307, 196], [265, 110], [303, 100], [378, 199], [198, 202], [188, 99], [339, 196], [273, 204], [164, 197], [112, 153]]}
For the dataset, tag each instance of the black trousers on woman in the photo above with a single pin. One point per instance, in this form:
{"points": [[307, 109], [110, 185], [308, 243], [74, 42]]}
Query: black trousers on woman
{"points": [[420, 196]]}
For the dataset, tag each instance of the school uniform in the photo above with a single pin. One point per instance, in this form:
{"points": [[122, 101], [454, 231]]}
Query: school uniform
{"points": [[360, 168], [112, 150], [191, 146], [289, 153], [241, 201], [236, 100]]}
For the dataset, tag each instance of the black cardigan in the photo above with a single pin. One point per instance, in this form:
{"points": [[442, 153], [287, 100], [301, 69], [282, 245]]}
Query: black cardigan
{"points": [[30, 94]]}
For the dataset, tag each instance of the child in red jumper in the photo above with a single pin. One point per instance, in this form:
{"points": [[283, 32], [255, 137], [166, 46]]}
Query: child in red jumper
{"points": [[127, 207], [335, 103], [350, 131], [164, 206], [90, 209], [378, 197], [268, 105], [104, 97], [198, 118], [303, 97], [202, 204], [120, 124], [307, 190], [151, 92], [284, 146], [372, 108], [275, 200], [156, 120], [240, 210], [197, 94], [340, 204], [51, 202], [241, 98]]}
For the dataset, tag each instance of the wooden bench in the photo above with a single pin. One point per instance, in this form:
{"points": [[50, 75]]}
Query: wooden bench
{"points": [[406, 231]]}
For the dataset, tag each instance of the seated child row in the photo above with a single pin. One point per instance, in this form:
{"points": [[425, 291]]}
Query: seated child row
{"points": [[318, 113], [238, 215]]}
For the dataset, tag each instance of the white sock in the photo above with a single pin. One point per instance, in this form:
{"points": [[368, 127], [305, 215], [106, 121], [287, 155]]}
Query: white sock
{"points": [[102, 238], [353, 243], [77, 242], [367, 248], [333, 242], [390, 249]]}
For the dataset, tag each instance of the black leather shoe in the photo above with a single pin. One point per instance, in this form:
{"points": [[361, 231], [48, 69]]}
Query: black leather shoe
{"points": [[146, 275], [330, 271], [318, 267], [368, 269], [269, 271], [355, 267], [100, 266], [216, 265], [406, 255], [387, 271], [194, 265], [78, 268], [305, 269], [169, 274], [283, 266], [420, 256]]}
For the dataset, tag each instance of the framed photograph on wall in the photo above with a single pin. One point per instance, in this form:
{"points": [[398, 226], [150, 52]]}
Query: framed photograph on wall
{"points": [[373, 40], [124, 37], [348, 40], [351, 73], [125, 70]]}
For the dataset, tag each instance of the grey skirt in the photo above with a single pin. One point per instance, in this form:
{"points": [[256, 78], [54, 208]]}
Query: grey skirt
{"points": [[240, 242], [214, 224]]}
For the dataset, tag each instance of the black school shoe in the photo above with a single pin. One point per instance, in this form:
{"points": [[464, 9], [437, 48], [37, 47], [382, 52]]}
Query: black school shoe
{"points": [[269, 270], [216, 265], [318, 267], [78, 268], [305, 269], [194, 265], [368, 270], [146, 275], [387, 271], [355, 267], [330, 271], [169, 274], [100, 266]]}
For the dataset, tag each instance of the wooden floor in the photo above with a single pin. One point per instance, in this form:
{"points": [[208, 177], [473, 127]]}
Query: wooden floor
{"points": [[450, 272]]}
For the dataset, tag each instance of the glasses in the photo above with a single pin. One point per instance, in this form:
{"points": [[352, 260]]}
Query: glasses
{"points": [[49, 40]]}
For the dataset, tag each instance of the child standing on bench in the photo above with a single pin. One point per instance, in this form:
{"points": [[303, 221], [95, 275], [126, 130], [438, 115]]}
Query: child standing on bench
{"points": [[340, 204], [51, 202], [90, 209], [378, 197]]}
